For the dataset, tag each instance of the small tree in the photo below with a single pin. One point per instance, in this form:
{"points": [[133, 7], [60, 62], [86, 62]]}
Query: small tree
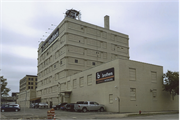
{"points": [[4, 89], [171, 82]]}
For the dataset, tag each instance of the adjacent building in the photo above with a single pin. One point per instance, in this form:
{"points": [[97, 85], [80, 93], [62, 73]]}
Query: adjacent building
{"points": [[27, 88], [28, 82]]}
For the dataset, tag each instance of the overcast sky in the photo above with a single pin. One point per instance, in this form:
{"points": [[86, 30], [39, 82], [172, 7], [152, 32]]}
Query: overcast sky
{"points": [[152, 26]]}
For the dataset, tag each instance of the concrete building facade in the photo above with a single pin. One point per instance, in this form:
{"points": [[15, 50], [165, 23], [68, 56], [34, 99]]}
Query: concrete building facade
{"points": [[28, 82], [24, 98], [80, 61], [122, 86], [73, 47], [27, 88]]}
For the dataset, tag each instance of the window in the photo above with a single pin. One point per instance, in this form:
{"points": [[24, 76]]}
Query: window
{"points": [[68, 85], [10, 106], [28, 87], [153, 76], [93, 63], [76, 61], [110, 98], [36, 79], [61, 62], [74, 83], [92, 103], [132, 74], [85, 102], [154, 94], [81, 81], [89, 79], [31, 87], [31, 79], [54, 66], [31, 83], [133, 93]]}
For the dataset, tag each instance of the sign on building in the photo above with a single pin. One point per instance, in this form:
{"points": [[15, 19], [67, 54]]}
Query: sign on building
{"points": [[105, 76]]}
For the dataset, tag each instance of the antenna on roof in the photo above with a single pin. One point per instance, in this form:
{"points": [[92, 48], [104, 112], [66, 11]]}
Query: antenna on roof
{"points": [[73, 14]]}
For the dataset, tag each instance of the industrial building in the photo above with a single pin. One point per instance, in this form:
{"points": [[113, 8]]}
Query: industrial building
{"points": [[80, 61]]}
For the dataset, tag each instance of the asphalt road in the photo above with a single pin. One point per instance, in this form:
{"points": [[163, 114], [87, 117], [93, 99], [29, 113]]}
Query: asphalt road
{"points": [[30, 113]]}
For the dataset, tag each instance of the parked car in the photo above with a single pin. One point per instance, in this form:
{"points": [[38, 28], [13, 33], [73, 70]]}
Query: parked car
{"points": [[43, 105], [63, 107], [57, 107], [36, 105], [17, 105], [89, 106], [32, 105], [9, 107], [70, 107]]}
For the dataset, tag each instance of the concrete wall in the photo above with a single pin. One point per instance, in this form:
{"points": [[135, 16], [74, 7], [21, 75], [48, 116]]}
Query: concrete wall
{"points": [[142, 93], [25, 97]]}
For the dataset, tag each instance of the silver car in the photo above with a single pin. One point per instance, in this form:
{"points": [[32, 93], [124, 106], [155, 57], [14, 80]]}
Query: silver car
{"points": [[43, 105]]}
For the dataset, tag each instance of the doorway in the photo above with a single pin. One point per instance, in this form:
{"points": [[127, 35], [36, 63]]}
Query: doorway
{"points": [[51, 104]]}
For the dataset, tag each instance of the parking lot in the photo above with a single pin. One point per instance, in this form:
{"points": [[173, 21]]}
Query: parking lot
{"points": [[30, 113]]}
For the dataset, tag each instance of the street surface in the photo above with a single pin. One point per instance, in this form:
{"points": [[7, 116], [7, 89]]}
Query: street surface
{"points": [[30, 113]]}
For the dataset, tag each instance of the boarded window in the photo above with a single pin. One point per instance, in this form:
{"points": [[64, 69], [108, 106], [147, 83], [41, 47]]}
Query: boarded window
{"points": [[110, 98], [132, 93], [153, 76], [81, 81], [63, 86], [68, 85], [56, 76], [76, 50], [89, 79], [112, 47], [132, 74], [74, 83]]}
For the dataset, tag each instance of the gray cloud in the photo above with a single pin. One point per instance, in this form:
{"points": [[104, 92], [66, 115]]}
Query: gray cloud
{"points": [[153, 29]]}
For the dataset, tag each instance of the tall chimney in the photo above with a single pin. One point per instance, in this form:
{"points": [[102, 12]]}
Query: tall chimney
{"points": [[106, 22]]}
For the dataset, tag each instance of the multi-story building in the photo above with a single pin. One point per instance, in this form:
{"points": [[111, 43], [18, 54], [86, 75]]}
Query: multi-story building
{"points": [[77, 62], [74, 46], [28, 82], [27, 88]]}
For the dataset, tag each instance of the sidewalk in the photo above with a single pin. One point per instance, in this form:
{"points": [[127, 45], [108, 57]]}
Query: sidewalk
{"points": [[121, 115], [110, 115]]}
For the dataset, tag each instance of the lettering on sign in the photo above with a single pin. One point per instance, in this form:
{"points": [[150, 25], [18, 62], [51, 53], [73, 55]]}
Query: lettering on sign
{"points": [[50, 39], [105, 76]]}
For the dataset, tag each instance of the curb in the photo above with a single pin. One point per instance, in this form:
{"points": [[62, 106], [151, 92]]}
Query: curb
{"points": [[152, 113]]}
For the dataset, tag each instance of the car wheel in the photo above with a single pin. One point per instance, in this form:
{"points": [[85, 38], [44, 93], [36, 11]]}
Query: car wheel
{"points": [[2, 110], [84, 109], [101, 109], [16, 110]]}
